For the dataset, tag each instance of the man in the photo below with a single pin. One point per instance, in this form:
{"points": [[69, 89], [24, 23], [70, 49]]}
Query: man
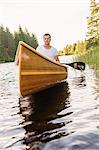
{"points": [[48, 50]]}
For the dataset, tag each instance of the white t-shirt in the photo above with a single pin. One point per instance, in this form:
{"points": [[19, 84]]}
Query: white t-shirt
{"points": [[50, 53]]}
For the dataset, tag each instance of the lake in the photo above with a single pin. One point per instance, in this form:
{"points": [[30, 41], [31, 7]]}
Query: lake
{"points": [[64, 117]]}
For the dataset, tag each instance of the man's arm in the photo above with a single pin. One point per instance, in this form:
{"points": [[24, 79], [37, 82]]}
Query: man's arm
{"points": [[56, 58]]}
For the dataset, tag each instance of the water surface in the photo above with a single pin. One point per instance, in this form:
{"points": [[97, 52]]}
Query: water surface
{"points": [[64, 117]]}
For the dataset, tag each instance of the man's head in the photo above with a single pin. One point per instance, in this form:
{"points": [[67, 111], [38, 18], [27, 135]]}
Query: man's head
{"points": [[47, 38]]}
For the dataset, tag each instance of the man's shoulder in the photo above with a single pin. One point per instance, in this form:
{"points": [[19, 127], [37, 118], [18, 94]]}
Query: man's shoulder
{"points": [[54, 48], [39, 47]]}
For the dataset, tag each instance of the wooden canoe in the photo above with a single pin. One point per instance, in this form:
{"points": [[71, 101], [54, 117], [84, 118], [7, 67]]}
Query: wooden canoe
{"points": [[36, 72]]}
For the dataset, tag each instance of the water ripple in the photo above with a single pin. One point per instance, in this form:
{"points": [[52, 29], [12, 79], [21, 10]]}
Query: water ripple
{"points": [[64, 117]]}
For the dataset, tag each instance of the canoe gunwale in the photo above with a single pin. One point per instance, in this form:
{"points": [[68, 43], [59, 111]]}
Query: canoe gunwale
{"points": [[21, 43]]}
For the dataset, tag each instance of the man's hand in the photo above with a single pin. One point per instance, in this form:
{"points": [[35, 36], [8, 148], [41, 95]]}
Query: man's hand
{"points": [[56, 59]]}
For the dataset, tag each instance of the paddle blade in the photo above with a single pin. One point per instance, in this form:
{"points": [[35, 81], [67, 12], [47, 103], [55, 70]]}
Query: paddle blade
{"points": [[77, 65]]}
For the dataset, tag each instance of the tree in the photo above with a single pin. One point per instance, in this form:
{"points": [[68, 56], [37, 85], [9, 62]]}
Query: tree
{"points": [[7, 45], [9, 42], [93, 24], [24, 36], [80, 47]]}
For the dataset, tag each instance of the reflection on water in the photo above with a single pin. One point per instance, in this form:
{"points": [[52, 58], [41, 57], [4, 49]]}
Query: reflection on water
{"points": [[64, 117], [79, 81], [42, 115]]}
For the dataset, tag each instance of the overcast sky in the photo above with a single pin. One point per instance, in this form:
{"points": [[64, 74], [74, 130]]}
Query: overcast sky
{"points": [[65, 20]]}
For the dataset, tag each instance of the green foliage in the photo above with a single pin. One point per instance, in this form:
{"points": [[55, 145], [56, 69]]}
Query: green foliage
{"points": [[25, 37], [92, 43], [93, 25], [80, 47], [92, 35], [90, 57], [9, 42], [76, 48]]}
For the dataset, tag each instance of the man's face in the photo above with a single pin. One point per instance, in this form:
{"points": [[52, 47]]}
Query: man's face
{"points": [[47, 39]]}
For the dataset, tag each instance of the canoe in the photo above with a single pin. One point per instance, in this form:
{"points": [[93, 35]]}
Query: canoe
{"points": [[36, 72]]}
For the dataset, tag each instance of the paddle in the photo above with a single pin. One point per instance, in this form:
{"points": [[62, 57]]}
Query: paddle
{"points": [[76, 65]]}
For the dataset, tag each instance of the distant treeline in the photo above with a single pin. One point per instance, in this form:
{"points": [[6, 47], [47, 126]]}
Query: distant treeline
{"points": [[76, 48], [9, 42], [92, 35]]}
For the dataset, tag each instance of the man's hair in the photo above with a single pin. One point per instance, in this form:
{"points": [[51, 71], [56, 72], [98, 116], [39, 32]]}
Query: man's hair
{"points": [[47, 34]]}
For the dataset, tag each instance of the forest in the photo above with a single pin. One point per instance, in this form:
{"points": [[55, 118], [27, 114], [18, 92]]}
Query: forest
{"points": [[9, 42]]}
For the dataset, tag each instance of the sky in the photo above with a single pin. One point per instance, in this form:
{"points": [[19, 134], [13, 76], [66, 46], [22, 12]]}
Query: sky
{"points": [[65, 20]]}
